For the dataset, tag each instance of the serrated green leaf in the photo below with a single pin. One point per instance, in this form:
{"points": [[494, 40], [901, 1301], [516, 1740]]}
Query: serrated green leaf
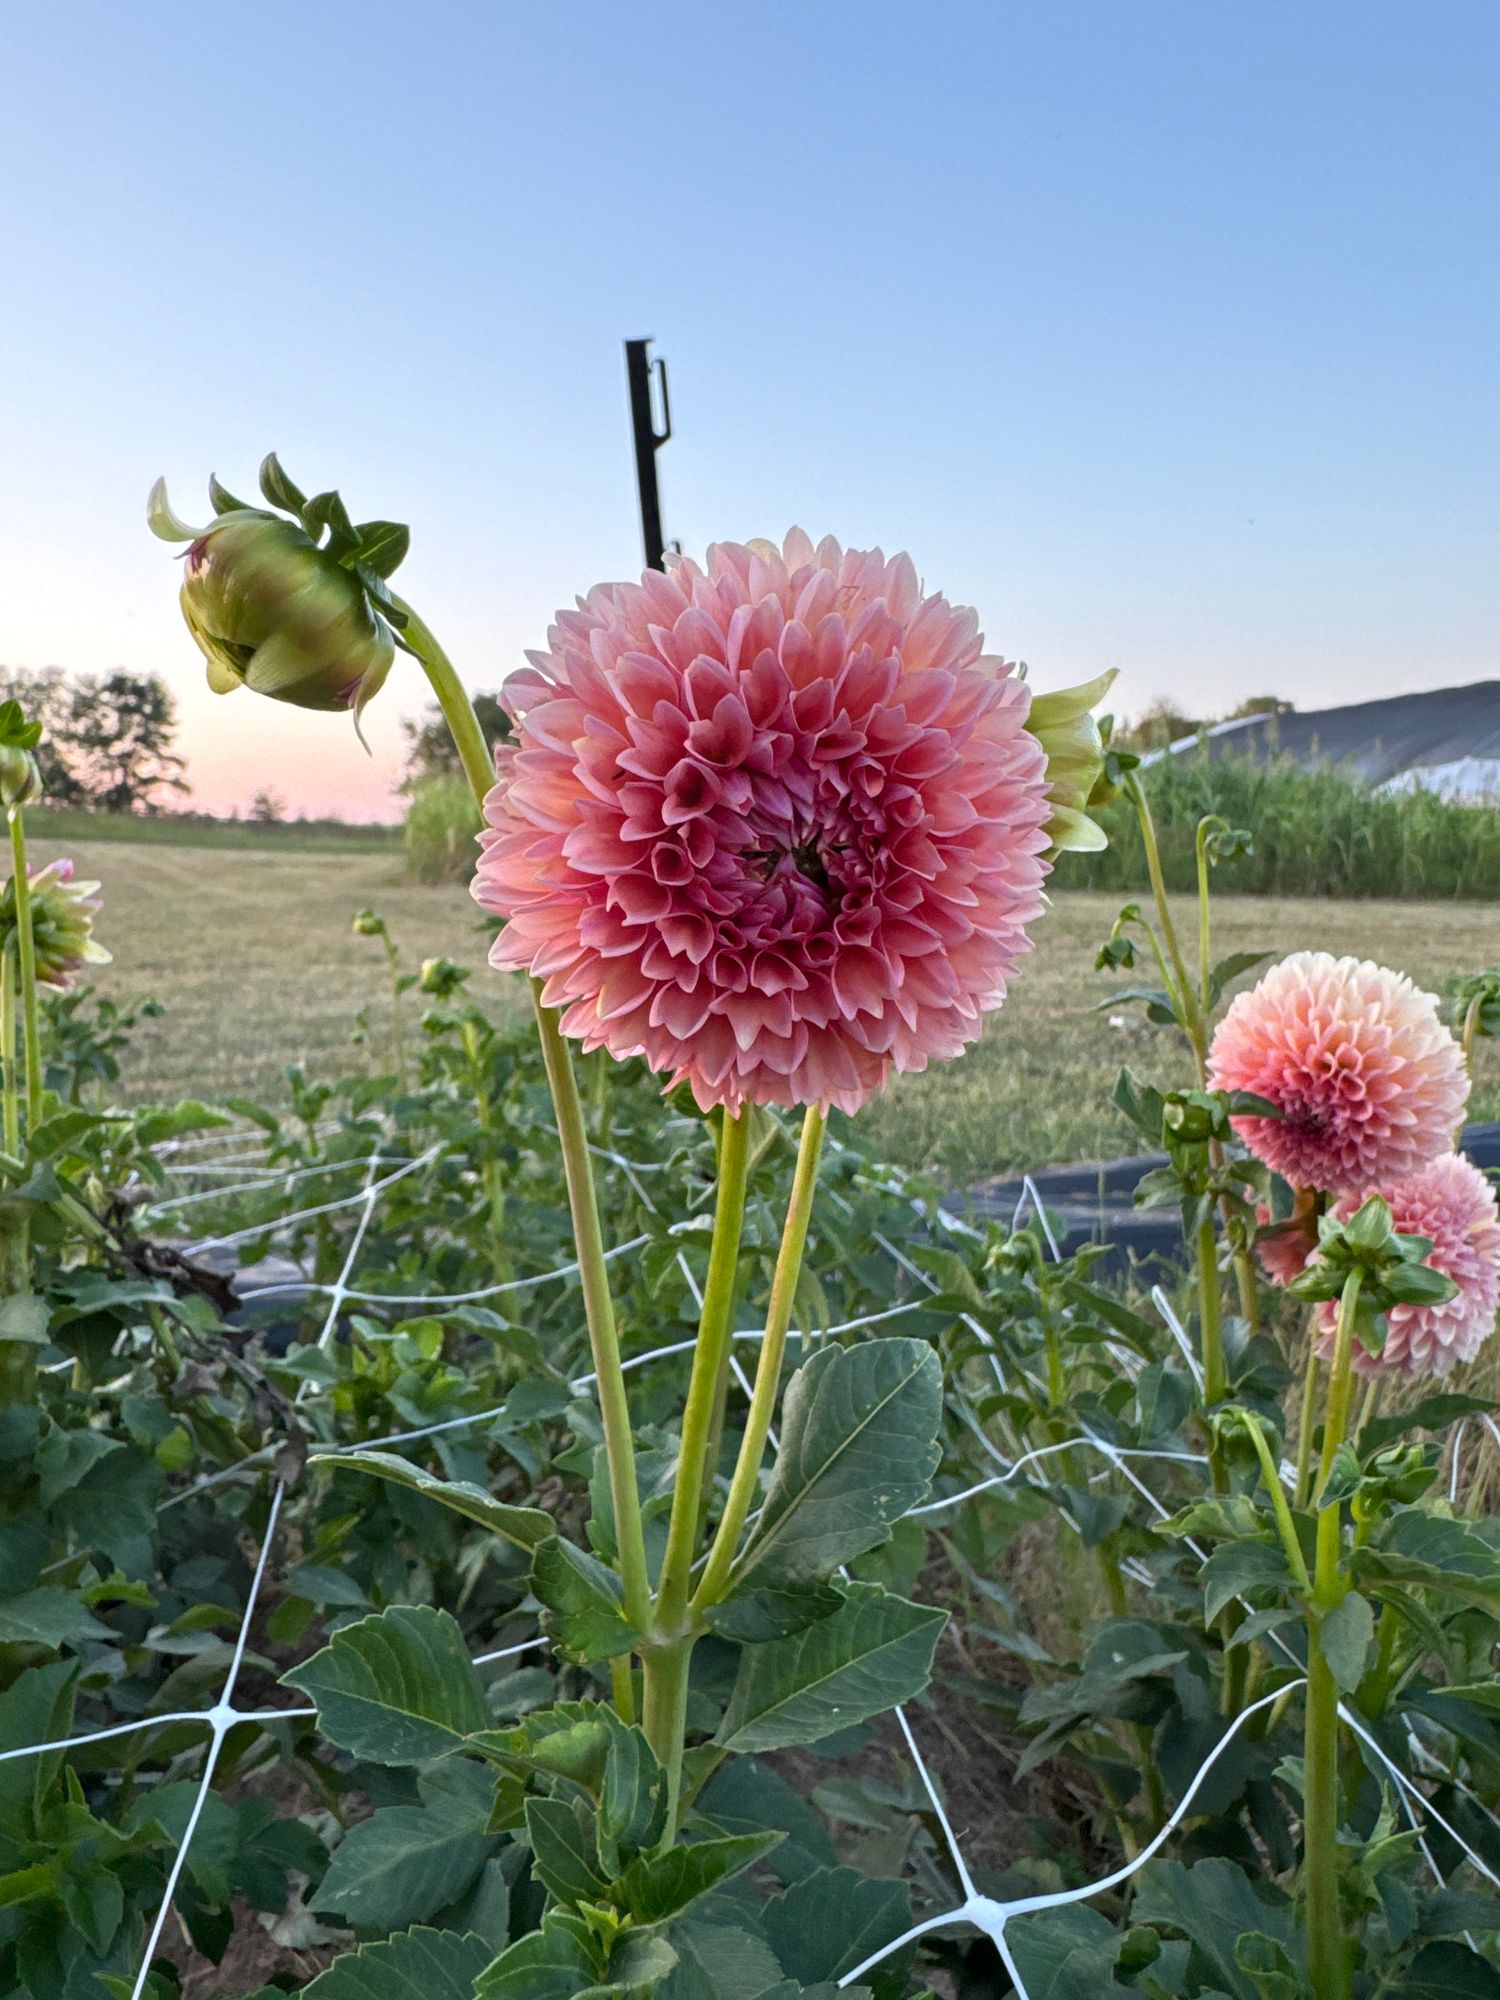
{"points": [[1214, 1905], [1448, 1972], [832, 1920], [414, 1965], [1419, 1548], [405, 1863], [858, 1449], [48, 1617], [752, 1616], [527, 1527], [1345, 1635], [565, 1852], [395, 1688], [1234, 1569], [656, 1887], [583, 1614], [875, 1651], [1433, 1413]]}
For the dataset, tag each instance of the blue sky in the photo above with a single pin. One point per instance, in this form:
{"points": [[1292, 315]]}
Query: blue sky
{"points": [[1165, 334]]}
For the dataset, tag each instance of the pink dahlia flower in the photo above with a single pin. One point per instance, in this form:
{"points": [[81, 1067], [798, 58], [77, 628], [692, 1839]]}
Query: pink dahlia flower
{"points": [[1284, 1247], [1450, 1201], [1369, 1083], [775, 823]]}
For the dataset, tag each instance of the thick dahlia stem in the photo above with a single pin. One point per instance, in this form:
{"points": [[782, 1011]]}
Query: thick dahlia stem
{"points": [[665, 1671], [1327, 1950], [17, 1358], [26, 944], [1307, 1417], [599, 1311], [715, 1332], [583, 1203], [1211, 1337], [458, 710], [746, 1478]]}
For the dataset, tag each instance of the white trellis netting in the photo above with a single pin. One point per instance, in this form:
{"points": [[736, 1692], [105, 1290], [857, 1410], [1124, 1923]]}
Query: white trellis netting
{"points": [[972, 1910]]}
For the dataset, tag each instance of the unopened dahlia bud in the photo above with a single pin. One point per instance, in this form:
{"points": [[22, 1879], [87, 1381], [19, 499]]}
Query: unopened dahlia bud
{"points": [[20, 780], [62, 924], [275, 608], [368, 924], [1068, 730], [441, 978]]}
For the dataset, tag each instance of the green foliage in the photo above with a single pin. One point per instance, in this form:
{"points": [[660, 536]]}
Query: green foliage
{"points": [[1318, 832], [438, 831]]}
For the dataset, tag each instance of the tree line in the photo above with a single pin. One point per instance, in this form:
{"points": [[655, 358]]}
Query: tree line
{"points": [[106, 738]]}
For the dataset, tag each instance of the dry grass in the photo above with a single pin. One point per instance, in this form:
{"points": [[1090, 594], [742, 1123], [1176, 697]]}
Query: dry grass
{"points": [[253, 956]]}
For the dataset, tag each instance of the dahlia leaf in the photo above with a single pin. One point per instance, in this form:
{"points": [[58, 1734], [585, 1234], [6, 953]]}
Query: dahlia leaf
{"points": [[859, 1448], [396, 1688], [874, 1653], [527, 1527], [583, 1616]]}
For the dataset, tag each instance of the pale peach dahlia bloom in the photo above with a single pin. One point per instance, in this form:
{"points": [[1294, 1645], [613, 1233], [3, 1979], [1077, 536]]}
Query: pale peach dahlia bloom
{"points": [[774, 823], [1450, 1201], [1369, 1083]]}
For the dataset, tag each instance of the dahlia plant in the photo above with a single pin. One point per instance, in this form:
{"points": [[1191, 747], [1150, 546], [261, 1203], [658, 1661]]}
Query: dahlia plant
{"points": [[46, 937], [1339, 1079], [777, 824]]}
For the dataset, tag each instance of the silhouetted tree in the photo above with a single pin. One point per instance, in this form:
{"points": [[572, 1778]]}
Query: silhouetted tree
{"points": [[429, 747], [107, 738]]}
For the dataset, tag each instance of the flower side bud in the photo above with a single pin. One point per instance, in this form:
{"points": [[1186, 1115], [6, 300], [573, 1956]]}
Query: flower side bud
{"points": [[1064, 724], [272, 612], [62, 924], [20, 780]]}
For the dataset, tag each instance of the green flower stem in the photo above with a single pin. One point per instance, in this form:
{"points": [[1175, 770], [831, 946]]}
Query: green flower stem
{"points": [[1192, 1019], [664, 1715], [1327, 1953], [1306, 1423], [599, 1311], [30, 1009], [604, 1341], [15, 1261], [1285, 1526], [398, 1024], [494, 1184], [458, 710], [1205, 955], [746, 1478], [715, 1331], [1211, 1339]]}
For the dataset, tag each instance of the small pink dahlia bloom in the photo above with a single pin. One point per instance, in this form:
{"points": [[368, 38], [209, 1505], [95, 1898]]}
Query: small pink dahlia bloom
{"points": [[1450, 1201], [775, 823], [1369, 1083], [1284, 1247]]}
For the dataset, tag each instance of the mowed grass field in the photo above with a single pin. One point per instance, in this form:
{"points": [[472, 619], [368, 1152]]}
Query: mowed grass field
{"points": [[253, 956]]}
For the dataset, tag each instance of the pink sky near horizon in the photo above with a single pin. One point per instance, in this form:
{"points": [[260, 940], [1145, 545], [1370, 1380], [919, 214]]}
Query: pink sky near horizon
{"points": [[1164, 337]]}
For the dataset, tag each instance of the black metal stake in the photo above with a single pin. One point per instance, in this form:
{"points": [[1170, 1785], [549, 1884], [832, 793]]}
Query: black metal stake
{"points": [[648, 441]]}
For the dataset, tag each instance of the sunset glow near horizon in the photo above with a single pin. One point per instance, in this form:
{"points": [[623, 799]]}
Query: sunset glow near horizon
{"points": [[1164, 337]]}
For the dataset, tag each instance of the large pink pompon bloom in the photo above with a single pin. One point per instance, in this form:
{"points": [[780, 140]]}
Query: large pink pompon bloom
{"points": [[1451, 1202], [774, 823], [1369, 1083]]}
